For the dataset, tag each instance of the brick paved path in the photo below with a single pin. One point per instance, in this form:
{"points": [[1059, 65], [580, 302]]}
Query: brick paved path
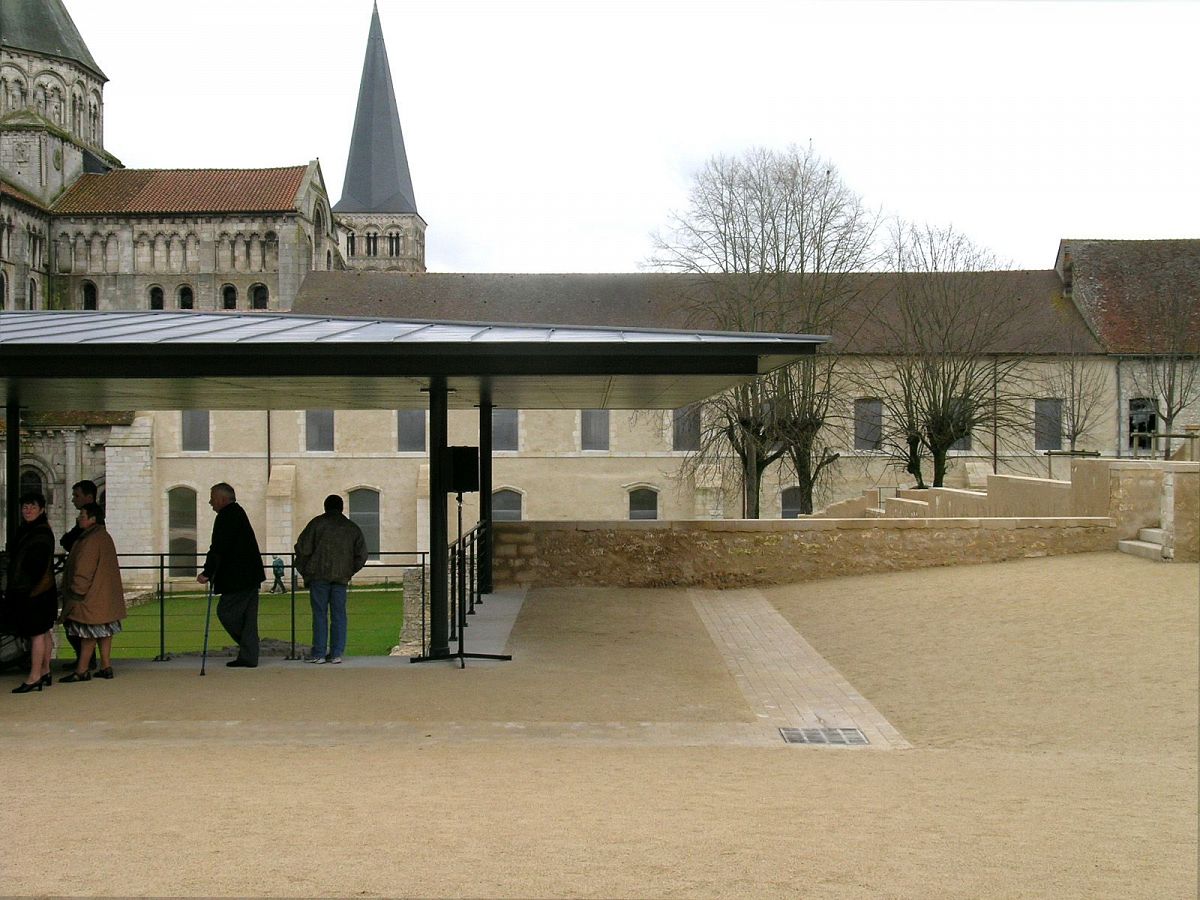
{"points": [[785, 681]]}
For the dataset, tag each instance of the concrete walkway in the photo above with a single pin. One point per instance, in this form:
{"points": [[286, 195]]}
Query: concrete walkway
{"points": [[787, 683]]}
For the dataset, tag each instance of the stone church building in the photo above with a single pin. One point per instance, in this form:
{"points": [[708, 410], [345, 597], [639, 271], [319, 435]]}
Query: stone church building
{"points": [[79, 232]]}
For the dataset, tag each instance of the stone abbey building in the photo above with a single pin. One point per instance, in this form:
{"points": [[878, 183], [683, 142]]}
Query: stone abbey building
{"points": [[79, 231]]}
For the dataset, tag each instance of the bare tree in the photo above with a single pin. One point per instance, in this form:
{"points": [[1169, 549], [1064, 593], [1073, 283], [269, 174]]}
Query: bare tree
{"points": [[773, 239], [951, 329], [1080, 381]]}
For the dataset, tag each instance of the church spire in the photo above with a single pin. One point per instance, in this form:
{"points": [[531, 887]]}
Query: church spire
{"points": [[45, 27], [377, 177]]}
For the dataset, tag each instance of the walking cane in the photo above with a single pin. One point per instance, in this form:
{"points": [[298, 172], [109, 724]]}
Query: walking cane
{"points": [[207, 618]]}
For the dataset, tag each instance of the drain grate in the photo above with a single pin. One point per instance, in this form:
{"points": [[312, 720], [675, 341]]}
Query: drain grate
{"points": [[842, 737]]}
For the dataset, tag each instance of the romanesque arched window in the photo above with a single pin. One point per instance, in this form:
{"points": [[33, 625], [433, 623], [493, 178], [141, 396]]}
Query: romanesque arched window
{"points": [[259, 296], [229, 297], [506, 505], [90, 301], [187, 299], [156, 297]]}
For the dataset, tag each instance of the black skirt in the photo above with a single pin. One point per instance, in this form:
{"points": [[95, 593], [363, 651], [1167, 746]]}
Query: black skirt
{"points": [[30, 616]]}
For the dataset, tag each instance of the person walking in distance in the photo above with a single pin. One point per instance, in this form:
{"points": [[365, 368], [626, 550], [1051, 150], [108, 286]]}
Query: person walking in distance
{"points": [[330, 550], [82, 493], [235, 569]]}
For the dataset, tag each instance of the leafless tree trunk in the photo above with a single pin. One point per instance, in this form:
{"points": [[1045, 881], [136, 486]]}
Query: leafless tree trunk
{"points": [[773, 238], [949, 323]]}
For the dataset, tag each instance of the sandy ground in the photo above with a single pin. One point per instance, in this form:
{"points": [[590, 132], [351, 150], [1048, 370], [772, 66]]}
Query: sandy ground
{"points": [[1051, 704]]}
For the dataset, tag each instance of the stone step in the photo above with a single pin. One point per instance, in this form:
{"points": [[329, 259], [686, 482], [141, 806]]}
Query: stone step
{"points": [[1152, 536], [1144, 549]]}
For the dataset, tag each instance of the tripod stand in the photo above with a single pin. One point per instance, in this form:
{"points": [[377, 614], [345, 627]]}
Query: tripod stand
{"points": [[459, 580]]}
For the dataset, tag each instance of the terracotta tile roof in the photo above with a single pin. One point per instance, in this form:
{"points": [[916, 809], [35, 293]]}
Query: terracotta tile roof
{"points": [[16, 193], [173, 191], [1137, 296]]}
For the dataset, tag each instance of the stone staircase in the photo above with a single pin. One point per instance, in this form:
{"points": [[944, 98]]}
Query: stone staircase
{"points": [[1148, 544]]}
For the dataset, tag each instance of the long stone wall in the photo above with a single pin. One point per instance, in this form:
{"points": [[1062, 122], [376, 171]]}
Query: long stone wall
{"points": [[723, 554]]}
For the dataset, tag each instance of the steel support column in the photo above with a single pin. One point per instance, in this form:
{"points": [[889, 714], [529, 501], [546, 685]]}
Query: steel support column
{"points": [[439, 553], [485, 493]]}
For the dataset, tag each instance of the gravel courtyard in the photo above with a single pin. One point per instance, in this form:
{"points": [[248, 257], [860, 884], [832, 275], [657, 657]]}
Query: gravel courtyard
{"points": [[1051, 707]]}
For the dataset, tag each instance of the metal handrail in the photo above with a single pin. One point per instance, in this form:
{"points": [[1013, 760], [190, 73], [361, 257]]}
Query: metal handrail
{"points": [[161, 567]]}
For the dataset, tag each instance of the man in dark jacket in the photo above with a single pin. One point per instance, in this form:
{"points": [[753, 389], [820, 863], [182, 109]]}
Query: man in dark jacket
{"points": [[330, 550], [234, 566]]}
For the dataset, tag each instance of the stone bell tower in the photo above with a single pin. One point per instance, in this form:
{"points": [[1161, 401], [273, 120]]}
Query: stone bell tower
{"points": [[379, 227]]}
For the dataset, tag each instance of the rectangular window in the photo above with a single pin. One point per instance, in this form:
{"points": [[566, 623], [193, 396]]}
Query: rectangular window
{"points": [[318, 429], [962, 411], [593, 429], [410, 430], [505, 434], [868, 424], [1047, 424], [194, 429], [364, 512], [685, 432], [1142, 421]]}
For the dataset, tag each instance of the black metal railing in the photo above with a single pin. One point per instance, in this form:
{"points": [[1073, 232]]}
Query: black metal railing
{"points": [[167, 605]]}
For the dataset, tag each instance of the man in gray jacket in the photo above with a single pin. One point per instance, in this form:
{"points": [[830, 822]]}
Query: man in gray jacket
{"points": [[330, 550]]}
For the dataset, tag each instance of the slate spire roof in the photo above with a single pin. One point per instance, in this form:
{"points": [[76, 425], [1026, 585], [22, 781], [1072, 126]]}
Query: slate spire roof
{"points": [[377, 177], [45, 27]]}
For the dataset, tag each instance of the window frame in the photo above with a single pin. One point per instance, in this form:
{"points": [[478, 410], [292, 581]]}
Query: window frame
{"points": [[1040, 418], [195, 430], [600, 430], [499, 430], [636, 515], [864, 425], [401, 431], [505, 512], [315, 426], [683, 417]]}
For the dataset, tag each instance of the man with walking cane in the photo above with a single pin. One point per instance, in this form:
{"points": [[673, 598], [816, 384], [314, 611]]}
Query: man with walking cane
{"points": [[234, 566]]}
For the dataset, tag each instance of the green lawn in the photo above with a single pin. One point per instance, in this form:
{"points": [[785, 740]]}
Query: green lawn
{"points": [[374, 620]]}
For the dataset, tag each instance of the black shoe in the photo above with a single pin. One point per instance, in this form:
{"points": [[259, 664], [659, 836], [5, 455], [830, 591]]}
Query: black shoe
{"points": [[241, 664], [46, 680], [106, 673], [74, 677], [25, 687]]}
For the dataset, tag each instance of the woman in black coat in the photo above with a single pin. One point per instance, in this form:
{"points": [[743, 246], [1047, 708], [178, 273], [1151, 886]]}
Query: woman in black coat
{"points": [[32, 598]]}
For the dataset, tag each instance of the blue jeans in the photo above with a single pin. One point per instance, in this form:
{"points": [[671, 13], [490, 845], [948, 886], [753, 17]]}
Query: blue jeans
{"points": [[328, 617]]}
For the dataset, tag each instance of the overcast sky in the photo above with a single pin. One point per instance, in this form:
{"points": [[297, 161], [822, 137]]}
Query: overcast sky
{"points": [[556, 136]]}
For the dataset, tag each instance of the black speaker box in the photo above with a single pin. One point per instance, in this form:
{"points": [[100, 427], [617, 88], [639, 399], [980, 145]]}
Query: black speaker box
{"points": [[463, 463]]}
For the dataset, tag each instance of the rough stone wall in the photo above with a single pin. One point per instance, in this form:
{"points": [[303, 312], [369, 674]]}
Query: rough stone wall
{"points": [[744, 553], [129, 476]]}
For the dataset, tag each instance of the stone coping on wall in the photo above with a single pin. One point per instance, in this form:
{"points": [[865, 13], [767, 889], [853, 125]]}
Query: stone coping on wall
{"points": [[817, 524]]}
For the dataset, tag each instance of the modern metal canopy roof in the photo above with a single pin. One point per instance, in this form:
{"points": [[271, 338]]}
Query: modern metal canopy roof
{"points": [[219, 360]]}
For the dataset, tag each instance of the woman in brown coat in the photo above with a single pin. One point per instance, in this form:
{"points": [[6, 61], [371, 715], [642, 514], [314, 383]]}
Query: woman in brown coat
{"points": [[94, 600]]}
